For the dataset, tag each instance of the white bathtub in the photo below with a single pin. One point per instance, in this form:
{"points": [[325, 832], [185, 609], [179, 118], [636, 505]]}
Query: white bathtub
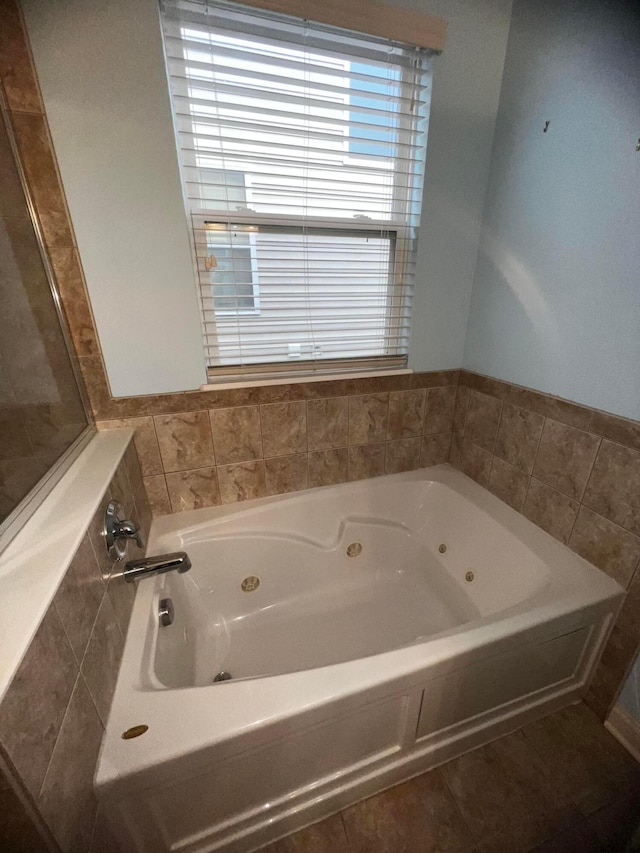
{"points": [[458, 620]]}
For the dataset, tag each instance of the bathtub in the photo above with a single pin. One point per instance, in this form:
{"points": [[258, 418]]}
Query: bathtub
{"points": [[372, 630]]}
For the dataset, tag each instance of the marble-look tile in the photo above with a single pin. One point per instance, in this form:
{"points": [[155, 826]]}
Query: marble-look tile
{"points": [[403, 455], [440, 405], [483, 417], [507, 797], [366, 460], [485, 385], [103, 840], [36, 154], [368, 415], [120, 489], [518, 437], [79, 595], [434, 378], [617, 658], [620, 430], [377, 384], [70, 280], [586, 762], [32, 710], [563, 411], [455, 452], [236, 434], [565, 458], [286, 473], [435, 449], [193, 489], [475, 462], [97, 387], [328, 423], [328, 836], [302, 391], [122, 595], [242, 481], [157, 494], [418, 816], [185, 441], [613, 489], [550, 510], [16, 68], [628, 620], [67, 800], [607, 546], [508, 483], [102, 658], [328, 467], [284, 428], [460, 410], [406, 413], [145, 440]]}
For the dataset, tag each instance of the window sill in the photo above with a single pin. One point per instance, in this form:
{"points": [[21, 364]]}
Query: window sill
{"points": [[298, 378]]}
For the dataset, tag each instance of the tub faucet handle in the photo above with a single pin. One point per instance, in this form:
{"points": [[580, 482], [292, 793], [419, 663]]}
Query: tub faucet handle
{"points": [[118, 530]]}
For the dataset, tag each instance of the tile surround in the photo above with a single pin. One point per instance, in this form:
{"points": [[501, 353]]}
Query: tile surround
{"points": [[573, 471], [53, 714]]}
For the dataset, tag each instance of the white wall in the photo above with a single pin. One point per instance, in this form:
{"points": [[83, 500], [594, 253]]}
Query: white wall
{"points": [[556, 298], [101, 70]]}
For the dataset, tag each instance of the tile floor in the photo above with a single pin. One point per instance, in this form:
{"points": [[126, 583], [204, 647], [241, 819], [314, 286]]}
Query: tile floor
{"points": [[561, 785]]}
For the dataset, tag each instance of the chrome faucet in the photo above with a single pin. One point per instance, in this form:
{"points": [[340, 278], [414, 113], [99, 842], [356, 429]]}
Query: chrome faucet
{"points": [[146, 567], [118, 530]]}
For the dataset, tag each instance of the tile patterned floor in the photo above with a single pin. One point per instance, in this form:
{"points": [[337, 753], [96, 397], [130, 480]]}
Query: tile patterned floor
{"points": [[561, 785]]}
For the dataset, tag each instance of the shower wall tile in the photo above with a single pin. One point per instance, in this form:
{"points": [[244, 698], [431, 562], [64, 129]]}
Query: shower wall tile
{"points": [[158, 494], [614, 486], [435, 449], [33, 708], [328, 423], [403, 455], [79, 596], [242, 481], [236, 434], [67, 801], [368, 416], [145, 440], [551, 510], [606, 545], [70, 281], [284, 428], [518, 437], [52, 716], [185, 441], [16, 69], [286, 474], [440, 405], [508, 483], [565, 458], [193, 489], [328, 467], [366, 460], [406, 413], [483, 417], [573, 471]]}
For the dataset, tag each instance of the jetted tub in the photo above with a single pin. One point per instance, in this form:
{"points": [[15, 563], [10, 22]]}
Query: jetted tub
{"points": [[371, 630]]}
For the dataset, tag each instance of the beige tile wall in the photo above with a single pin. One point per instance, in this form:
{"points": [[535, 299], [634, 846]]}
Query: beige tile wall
{"points": [[575, 472], [223, 455], [53, 715]]}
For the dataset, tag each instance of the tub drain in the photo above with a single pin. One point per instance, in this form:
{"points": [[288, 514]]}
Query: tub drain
{"points": [[223, 676], [354, 550]]}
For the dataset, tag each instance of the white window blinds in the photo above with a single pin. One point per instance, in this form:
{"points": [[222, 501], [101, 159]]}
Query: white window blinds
{"points": [[302, 150]]}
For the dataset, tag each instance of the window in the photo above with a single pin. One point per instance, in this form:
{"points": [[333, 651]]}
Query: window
{"points": [[302, 151]]}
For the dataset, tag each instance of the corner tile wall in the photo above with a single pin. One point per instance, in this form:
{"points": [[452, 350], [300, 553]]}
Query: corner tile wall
{"points": [[209, 456], [575, 472], [52, 717]]}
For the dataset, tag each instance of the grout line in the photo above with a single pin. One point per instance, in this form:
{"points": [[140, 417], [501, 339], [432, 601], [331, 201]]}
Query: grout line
{"points": [[64, 716]]}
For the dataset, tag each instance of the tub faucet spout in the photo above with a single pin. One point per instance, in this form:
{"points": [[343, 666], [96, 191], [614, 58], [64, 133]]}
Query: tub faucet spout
{"points": [[134, 570]]}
